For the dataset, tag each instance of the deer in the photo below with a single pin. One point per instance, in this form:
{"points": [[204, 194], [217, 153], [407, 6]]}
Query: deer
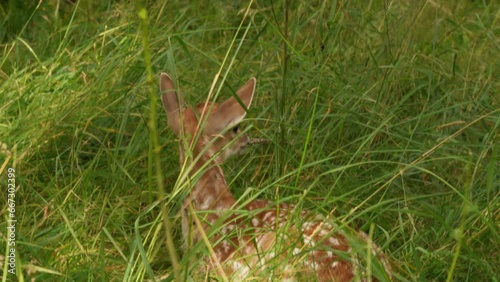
{"points": [[255, 239]]}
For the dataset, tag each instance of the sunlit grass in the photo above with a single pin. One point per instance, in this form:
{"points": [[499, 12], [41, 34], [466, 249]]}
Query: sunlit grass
{"points": [[386, 118]]}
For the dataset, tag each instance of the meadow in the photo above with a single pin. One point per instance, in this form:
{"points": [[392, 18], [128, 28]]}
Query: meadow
{"points": [[383, 114]]}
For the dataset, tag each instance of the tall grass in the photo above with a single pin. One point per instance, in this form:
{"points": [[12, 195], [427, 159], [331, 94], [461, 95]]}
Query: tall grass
{"points": [[382, 114]]}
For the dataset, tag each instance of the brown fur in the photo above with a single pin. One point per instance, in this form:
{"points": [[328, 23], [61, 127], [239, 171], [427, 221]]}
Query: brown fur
{"points": [[260, 235]]}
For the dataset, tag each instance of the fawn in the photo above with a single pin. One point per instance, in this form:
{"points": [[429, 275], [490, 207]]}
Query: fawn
{"points": [[259, 238]]}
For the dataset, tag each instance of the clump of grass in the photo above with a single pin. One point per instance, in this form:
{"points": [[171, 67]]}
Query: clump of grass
{"points": [[388, 116]]}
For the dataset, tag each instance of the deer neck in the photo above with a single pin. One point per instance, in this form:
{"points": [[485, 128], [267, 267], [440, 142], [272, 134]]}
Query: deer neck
{"points": [[209, 190]]}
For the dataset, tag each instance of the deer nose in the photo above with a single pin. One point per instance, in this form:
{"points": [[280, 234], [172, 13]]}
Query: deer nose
{"points": [[257, 141]]}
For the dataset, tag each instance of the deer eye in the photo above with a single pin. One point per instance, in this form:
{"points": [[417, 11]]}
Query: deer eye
{"points": [[235, 129]]}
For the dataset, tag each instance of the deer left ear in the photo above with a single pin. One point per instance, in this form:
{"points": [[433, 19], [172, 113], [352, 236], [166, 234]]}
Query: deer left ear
{"points": [[231, 112], [172, 102]]}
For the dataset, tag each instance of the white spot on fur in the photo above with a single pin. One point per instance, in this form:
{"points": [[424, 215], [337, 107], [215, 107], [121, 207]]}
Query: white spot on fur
{"points": [[334, 241], [271, 255], [323, 233], [255, 221], [308, 225], [248, 250], [268, 215], [207, 202], [309, 241], [240, 269], [225, 245], [328, 226]]}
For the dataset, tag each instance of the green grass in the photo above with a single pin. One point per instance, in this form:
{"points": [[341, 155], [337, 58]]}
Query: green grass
{"points": [[385, 112]]}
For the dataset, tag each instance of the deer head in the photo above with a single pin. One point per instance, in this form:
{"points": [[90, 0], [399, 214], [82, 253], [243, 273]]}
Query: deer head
{"points": [[211, 124]]}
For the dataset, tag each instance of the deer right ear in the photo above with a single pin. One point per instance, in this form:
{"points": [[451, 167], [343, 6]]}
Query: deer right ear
{"points": [[172, 102], [230, 112]]}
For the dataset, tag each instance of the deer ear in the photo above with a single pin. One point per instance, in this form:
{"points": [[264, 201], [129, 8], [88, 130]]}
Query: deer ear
{"points": [[172, 102], [231, 112]]}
